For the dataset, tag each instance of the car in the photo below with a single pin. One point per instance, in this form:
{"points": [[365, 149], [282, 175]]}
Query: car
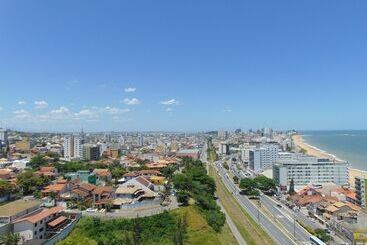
{"points": [[279, 205], [90, 210]]}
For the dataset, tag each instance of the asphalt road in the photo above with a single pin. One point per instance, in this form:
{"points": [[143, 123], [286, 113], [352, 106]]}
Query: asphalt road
{"points": [[271, 228], [286, 220]]}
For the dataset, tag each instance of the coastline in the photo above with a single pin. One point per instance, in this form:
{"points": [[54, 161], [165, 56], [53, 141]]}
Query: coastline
{"points": [[312, 150], [316, 152]]}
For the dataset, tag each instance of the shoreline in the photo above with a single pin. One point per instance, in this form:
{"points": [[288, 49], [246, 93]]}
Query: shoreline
{"points": [[299, 143]]}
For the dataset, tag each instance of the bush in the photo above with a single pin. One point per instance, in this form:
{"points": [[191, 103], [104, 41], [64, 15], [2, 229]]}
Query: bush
{"points": [[183, 198], [216, 219], [194, 182]]}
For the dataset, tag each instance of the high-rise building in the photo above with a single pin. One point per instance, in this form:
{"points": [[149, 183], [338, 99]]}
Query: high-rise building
{"points": [[73, 147], [224, 148], [68, 147], [263, 157], [223, 135], [304, 170], [245, 152], [91, 152], [360, 184], [268, 132], [78, 147], [3, 136], [140, 140]]}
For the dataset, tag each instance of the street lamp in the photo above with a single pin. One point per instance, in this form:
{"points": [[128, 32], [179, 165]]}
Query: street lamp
{"points": [[258, 211]]}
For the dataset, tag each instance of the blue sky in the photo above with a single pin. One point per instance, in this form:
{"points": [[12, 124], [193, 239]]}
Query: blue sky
{"points": [[190, 65]]}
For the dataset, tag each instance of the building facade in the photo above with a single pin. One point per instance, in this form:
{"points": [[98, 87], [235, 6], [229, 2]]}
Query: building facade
{"points": [[73, 147], [360, 187], [263, 157], [304, 170]]}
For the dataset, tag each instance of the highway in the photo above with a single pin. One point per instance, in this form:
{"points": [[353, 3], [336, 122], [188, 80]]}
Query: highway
{"points": [[268, 225], [287, 221]]}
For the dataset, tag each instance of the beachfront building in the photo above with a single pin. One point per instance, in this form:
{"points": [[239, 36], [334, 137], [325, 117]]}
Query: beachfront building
{"points": [[360, 187], [263, 157], [304, 170]]}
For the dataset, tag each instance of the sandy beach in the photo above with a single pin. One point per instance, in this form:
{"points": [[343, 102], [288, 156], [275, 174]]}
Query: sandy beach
{"points": [[311, 150]]}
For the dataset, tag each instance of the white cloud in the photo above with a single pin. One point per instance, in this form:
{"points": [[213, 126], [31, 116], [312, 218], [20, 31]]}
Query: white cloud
{"points": [[41, 104], [1, 108], [133, 101], [114, 110], [86, 114], [228, 109], [130, 90], [170, 102], [22, 102], [169, 109], [61, 110], [21, 114]]}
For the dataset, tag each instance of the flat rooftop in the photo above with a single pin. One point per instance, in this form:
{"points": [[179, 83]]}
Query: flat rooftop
{"points": [[17, 206]]}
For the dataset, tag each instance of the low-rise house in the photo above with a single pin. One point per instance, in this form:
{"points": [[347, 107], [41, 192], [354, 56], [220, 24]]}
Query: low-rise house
{"points": [[145, 173], [103, 175], [13, 210], [58, 188], [34, 226], [133, 191], [7, 174], [103, 195], [50, 172], [82, 191]]}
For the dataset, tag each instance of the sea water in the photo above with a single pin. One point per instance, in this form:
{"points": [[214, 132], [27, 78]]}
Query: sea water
{"points": [[348, 145]]}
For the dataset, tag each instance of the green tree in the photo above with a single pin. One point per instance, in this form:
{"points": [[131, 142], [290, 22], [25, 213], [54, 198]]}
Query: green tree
{"points": [[30, 182], [137, 229], [181, 230], [7, 188], [291, 187], [183, 198], [264, 183], [235, 179], [323, 235], [10, 239], [169, 171], [37, 161], [247, 184]]}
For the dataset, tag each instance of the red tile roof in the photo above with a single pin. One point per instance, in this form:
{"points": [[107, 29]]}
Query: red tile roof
{"points": [[57, 221], [41, 215]]}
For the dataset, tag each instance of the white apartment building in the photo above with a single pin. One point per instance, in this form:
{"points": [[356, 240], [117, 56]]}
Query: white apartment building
{"points": [[245, 151], [78, 147], [73, 147], [263, 157], [3, 136], [223, 148], [304, 170]]}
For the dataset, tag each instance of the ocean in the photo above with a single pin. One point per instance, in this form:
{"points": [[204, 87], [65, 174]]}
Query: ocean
{"points": [[347, 145]]}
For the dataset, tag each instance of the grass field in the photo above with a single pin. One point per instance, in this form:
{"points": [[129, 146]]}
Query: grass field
{"points": [[249, 229], [198, 231]]}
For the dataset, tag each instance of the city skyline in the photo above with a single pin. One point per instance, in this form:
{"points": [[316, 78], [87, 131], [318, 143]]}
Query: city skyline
{"points": [[165, 66]]}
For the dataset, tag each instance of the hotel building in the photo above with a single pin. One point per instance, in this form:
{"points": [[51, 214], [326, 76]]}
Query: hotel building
{"points": [[304, 170]]}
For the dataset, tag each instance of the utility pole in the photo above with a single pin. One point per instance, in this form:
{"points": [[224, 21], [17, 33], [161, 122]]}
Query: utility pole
{"points": [[258, 212], [294, 227]]}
